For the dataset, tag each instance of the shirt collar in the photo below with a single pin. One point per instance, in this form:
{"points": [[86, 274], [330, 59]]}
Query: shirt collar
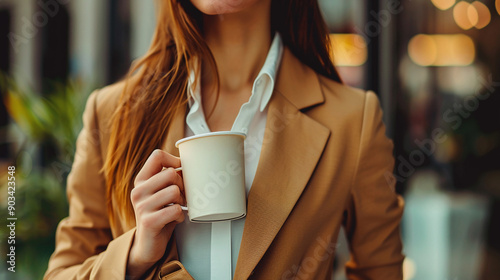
{"points": [[267, 75], [263, 85]]}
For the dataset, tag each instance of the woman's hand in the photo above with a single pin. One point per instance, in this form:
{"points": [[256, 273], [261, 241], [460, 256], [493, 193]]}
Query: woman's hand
{"points": [[153, 190]]}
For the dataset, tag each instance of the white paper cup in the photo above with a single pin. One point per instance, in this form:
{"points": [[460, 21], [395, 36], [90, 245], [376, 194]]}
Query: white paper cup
{"points": [[213, 169]]}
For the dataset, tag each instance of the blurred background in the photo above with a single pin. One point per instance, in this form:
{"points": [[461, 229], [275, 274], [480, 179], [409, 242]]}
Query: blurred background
{"points": [[435, 65]]}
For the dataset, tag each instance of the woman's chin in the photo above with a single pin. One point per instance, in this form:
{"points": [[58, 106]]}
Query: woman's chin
{"points": [[221, 7]]}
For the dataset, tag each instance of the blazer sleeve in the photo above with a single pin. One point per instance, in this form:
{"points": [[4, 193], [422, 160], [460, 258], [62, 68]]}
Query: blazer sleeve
{"points": [[85, 248], [374, 212]]}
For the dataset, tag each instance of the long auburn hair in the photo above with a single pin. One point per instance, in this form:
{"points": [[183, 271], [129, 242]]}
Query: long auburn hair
{"points": [[156, 85]]}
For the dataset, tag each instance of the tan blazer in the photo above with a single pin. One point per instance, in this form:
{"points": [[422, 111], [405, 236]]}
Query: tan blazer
{"points": [[325, 163]]}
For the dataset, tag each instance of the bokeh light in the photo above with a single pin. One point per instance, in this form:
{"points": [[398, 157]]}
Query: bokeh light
{"points": [[483, 14], [443, 4], [348, 49], [442, 50], [497, 4], [423, 50], [465, 15], [473, 14]]}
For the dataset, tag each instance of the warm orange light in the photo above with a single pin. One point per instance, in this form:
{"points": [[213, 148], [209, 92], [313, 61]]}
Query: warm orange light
{"points": [[497, 4], [484, 15], [462, 15], [454, 50], [442, 50], [473, 15], [423, 50], [443, 4], [348, 49]]}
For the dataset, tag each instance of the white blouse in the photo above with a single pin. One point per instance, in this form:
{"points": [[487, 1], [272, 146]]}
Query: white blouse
{"points": [[194, 240]]}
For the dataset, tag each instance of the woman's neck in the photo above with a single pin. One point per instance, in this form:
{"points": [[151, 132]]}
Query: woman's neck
{"points": [[239, 43]]}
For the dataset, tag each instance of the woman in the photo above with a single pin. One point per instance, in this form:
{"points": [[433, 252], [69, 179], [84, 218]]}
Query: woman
{"points": [[317, 157]]}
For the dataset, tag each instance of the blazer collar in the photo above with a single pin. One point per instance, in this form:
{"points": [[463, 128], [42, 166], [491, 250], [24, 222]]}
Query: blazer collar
{"points": [[298, 83], [293, 144]]}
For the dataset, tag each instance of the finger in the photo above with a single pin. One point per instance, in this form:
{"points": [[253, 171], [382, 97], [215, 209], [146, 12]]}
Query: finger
{"points": [[171, 175], [167, 215], [156, 183], [159, 200], [155, 163], [180, 181], [176, 211]]}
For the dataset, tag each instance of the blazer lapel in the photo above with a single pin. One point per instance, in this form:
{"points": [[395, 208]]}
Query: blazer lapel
{"points": [[293, 144]]}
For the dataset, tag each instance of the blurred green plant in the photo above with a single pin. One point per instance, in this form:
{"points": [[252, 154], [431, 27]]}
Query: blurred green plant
{"points": [[53, 119], [55, 116]]}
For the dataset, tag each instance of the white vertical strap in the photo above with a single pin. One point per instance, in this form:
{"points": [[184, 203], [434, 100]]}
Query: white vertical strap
{"points": [[220, 251]]}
